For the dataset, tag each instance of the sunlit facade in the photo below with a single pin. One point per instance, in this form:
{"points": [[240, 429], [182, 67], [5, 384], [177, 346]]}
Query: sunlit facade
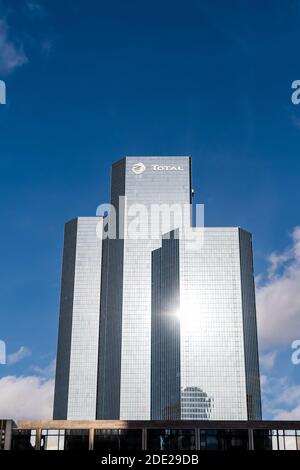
{"points": [[125, 332], [152, 328], [204, 337], [78, 336]]}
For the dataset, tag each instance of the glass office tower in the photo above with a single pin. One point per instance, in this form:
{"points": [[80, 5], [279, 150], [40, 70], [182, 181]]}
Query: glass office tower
{"points": [[152, 327], [125, 327], [78, 337], [204, 337]]}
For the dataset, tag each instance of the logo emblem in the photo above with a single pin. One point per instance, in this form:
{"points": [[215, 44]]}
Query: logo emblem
{"points": [[138, 168]]}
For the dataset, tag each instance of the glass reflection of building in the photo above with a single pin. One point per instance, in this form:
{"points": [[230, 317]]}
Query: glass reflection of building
{"points": [[195, 403], [204, 337]]}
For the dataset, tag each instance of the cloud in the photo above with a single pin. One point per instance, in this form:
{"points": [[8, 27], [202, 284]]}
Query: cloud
{"points": [[263, 381], [296, 121], [285, 415], [280, 398], [47, 371], [18, 355], [11, 55], [278, 297], [267, 360], [35, 9], [26, 397]]}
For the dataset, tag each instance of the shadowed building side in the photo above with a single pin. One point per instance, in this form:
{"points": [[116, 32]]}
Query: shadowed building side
{"points": [[165, 332]]}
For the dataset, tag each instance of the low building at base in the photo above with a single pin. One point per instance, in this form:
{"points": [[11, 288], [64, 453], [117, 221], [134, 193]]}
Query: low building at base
{"points": [[134, 436]]}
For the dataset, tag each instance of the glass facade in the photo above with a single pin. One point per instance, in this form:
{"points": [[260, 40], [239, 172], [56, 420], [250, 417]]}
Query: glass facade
{"points": [[126, 312], [203, 312], [76, 439], [279, 439], [64, 439], [5, 426], [249, 326], [23, 439], [119, 356], [53, 439], [162, 436], [165, 332], [78, 340], [224, 439], [110, 440], [171, 439]]}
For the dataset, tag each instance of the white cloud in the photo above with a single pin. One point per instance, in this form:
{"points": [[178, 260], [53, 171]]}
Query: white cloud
{"points": [[47, 371], [26, 397], [263, 381], [280, 398], [18, 355], [278, 298], [11, 55], [285, 415], [267, 360]]}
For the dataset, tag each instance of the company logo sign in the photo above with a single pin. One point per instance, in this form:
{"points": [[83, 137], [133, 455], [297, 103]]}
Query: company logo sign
{"points": [[138, 168], [167, 168]]}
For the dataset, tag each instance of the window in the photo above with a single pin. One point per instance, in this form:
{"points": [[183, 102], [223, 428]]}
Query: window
{"points": [[76, 439], [118, 439], [23, 439], [171, 439], [224, 439], [53, 439], [276, 439]]}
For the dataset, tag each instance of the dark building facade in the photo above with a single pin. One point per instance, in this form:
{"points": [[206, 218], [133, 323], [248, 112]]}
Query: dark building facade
{"points": [[115, 436]]}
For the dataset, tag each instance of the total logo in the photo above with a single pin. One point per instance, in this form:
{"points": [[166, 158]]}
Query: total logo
{"points": [[139, 168], [167, 168]]}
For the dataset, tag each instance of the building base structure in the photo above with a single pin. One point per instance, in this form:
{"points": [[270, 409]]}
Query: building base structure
{"points": [[134, 436]]}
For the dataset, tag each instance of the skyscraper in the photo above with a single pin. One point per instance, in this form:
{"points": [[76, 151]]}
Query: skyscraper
{"points": [[127, 348], [78, 336], [125, 338], [204, 341]]}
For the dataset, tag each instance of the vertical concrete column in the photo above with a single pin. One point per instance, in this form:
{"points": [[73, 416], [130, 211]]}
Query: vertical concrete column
{"points": [[251, 439], [8, 434], [197, 438], [144, 439], [91, 439], [38, 439]]}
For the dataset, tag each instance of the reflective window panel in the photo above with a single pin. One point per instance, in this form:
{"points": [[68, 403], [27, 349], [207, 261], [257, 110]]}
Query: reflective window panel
{"points": [[171, 439], [118, 439]]}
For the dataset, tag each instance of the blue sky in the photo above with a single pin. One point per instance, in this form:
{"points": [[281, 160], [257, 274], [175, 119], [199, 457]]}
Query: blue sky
{"points": [[91, 81]]}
